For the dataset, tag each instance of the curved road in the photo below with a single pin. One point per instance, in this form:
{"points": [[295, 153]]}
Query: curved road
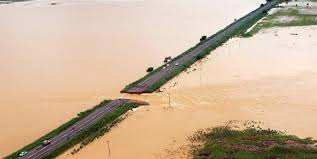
{"points": [[61, 138], [142, 86]]}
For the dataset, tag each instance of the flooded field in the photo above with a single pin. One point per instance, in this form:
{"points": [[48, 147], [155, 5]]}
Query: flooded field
{"points": [[269, 78], [59, 60]]}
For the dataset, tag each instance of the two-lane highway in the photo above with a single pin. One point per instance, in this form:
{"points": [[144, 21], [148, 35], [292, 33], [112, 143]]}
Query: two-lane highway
{"points": [[67, 134], [230, 30]]}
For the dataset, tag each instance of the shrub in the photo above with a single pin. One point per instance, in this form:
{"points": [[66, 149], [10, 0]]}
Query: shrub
{"points": [[150, 69], [203, 38]]}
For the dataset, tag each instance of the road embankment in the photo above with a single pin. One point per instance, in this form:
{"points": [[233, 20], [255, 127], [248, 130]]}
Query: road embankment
{"points": [[157, 78], [91, 124]]}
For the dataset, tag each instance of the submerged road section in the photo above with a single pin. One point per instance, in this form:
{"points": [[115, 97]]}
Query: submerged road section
{"points": [[72, 131], [158, 75]]}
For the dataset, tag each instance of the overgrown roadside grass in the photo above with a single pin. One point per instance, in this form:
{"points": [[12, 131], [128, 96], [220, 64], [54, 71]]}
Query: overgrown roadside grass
{"points": [[291, 15], [252, 142], [93, 130], [11, 1], [56, 131], [308, 0]]}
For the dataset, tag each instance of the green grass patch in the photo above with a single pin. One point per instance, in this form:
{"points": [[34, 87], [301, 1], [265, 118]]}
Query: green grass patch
{"points": [[308, 0], [250, 143], [11, 1]]}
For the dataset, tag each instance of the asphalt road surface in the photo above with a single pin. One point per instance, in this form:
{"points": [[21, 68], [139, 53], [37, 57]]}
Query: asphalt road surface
{"points": [[142, 86], [61, 138]]}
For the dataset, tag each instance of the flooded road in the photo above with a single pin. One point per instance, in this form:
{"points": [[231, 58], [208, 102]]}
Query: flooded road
{"points": [[269, 78], [59, 60]]}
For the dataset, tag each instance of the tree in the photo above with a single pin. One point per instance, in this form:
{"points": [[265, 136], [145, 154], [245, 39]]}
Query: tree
{"points": [[150, 69], [203, 38]]}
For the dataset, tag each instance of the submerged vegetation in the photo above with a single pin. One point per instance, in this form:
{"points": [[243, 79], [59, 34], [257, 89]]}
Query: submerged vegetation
{"points": [[87, 135], [295, 13], [252, 142]]}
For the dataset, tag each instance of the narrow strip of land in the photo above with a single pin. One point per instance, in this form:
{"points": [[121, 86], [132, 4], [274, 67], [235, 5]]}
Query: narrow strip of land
{"points": [[161, 75], [66, 135]]}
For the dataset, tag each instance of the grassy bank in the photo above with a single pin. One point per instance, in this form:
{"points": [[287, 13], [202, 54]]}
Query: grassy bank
{"points": [[290, 15], [11, 1], [229, 34], [95, 131], [250, 143], [92, 130]]}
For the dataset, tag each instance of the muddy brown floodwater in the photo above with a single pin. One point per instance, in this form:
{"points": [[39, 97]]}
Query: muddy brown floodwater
{"points": [[269, 78], [59, 60]]}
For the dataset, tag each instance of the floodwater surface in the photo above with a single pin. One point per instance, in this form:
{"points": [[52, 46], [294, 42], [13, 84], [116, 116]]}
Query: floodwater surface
{"points": [[58, 60], [270, 78]]}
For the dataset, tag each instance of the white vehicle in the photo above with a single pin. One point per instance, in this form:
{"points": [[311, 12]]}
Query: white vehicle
{"points": [[23, 153], [167, 64], [176, 64], [46, 142], [164, 67]]}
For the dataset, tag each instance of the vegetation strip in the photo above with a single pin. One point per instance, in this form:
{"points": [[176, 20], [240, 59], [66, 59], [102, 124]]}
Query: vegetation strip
{"points": [[294, 14], [11, 1], [88, 132], [92, 131], [228, 32], [250, 143]]}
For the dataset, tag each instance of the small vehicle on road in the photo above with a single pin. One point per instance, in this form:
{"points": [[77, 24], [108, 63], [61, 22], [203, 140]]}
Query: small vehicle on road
{"points": [[23, 153], [46, 142], [176, 64]]}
